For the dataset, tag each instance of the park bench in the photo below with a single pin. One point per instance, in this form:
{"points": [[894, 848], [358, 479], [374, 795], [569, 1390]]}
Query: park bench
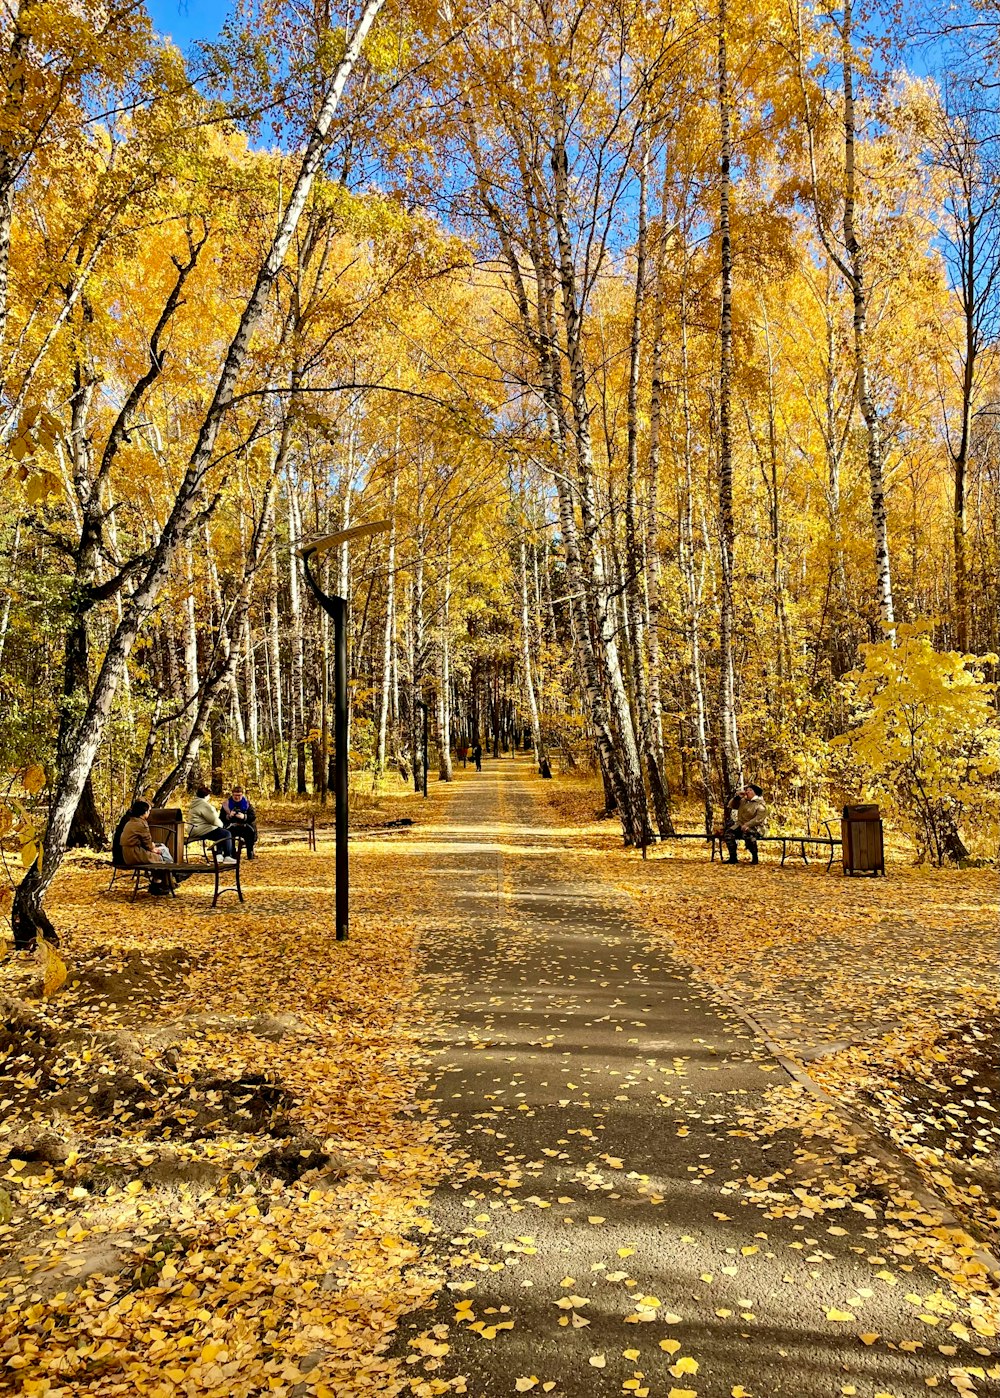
{"points": [[213, 865], [167, 828], [828, 841]]}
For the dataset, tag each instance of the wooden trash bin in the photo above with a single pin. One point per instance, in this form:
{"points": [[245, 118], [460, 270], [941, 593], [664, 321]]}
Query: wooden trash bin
{"points": [[166, 826], [863, 849]]}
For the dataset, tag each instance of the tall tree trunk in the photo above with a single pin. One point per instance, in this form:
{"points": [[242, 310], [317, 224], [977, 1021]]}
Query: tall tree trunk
{"points": [[834, 436], [253, 699], [859, 293], [13, 117], [653, 489], [11, 575], [444, 692], [274, 664], [633, 591], [770, 471], [297, 706], [388, 634], [217, 728], [732, 762], [529, 683], [689, 570], [969, 277], [273, 682], [86, 828], [418, 637]]}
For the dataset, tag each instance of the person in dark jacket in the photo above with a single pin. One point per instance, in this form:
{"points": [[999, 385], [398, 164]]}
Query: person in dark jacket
{"points": [[477, 753], [117, 857], [239, 816]]}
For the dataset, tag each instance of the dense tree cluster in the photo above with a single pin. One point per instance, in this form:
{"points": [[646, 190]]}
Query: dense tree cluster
{"points": [[663, 335]]}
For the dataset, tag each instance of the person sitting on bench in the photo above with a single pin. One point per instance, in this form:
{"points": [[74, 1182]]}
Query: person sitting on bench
{"points": [[748, 822], [204, 823], [138, 848], [240, 818]]}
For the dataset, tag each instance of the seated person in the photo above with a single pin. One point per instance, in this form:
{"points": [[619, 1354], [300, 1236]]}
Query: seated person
{"points": [[137, 846], [205, 824], [240, 818], [748, 821]]}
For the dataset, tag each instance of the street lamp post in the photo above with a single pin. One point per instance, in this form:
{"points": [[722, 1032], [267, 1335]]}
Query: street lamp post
{"points": [[336, 607]]}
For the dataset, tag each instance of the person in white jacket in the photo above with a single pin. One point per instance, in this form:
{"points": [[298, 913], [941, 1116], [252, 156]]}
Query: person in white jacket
{"points": [[205, 823]]}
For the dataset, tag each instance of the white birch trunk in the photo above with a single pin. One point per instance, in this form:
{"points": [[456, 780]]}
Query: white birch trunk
{"points": [[859, 292], [529, 683], [444, 696], [388, 634]]}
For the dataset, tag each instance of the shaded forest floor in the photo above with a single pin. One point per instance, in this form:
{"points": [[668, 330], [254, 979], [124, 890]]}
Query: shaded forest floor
{"points": [[885, 990]]}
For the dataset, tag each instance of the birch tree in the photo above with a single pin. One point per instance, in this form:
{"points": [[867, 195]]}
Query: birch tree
{"points": [[73, 770]]}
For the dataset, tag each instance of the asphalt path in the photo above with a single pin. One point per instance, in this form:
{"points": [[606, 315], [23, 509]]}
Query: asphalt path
{"points": [[631, 1216]]}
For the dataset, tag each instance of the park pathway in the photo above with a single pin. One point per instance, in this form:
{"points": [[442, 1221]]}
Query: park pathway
{"points": [[614, 1231]]}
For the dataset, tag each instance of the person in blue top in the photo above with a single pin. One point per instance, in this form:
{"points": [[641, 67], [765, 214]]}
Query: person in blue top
{"points": [[239, 816]]}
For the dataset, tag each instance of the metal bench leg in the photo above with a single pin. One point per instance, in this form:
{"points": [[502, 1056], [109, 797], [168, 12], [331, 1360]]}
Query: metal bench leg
{"points": [[239, 886], [829, 862], [784, 851], [802, 847]]}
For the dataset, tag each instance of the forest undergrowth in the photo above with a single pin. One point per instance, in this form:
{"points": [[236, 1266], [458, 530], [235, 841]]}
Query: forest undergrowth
{"points": [[211, 1128], [884, 989]]}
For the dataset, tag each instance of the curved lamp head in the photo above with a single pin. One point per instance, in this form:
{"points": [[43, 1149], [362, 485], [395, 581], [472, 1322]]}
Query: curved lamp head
{"points": [[356, 531]]}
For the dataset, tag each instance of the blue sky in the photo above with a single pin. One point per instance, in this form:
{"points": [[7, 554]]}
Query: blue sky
{"points": [[185, 20]]}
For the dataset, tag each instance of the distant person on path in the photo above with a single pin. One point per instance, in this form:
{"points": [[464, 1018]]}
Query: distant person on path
{"points": [[137, 846], [477, 753], [748, 822], [205, 823], [240, 818]]}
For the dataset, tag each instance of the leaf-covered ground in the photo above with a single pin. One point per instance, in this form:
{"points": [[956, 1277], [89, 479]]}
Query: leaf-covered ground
{"points": [[209, 1157], [221, 1165], [885, 989]]}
